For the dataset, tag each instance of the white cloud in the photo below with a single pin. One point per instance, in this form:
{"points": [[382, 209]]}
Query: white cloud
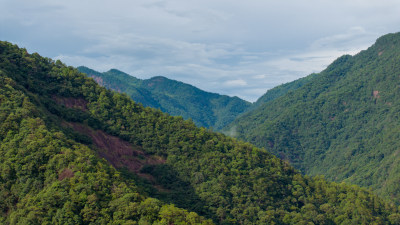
{"points": [[235, 83], [238, 48], [260, 76], [352, 38]]}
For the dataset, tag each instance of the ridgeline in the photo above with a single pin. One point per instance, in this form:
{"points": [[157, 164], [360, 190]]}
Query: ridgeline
{"points": [[344, 123], [73, 152]]}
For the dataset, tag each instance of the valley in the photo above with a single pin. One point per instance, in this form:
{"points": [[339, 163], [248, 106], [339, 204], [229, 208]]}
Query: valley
{"points": [[75, 152]]}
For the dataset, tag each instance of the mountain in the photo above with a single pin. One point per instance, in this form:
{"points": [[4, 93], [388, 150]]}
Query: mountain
{"points": [[281, 90], [174, 97], [344, 123], [73, 152], [52, 174]]}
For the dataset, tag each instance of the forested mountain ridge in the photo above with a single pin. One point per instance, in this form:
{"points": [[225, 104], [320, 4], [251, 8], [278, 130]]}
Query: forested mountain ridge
{"points": [[56, 170], [47, 177], [281, 90], [343, 124], [176, 98]]}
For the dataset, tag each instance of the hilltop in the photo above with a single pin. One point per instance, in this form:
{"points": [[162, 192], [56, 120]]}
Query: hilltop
{"points": [[74, 152], [206, 109], [343, 123]]}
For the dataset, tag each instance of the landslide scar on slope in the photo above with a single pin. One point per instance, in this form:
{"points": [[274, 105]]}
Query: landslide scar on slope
{"points": [[117, 152]]}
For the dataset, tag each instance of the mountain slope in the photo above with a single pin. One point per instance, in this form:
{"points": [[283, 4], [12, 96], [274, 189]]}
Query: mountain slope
{"points": [[281, 90], [174, 97], [46, 176], [343, 123], [63, 138]]}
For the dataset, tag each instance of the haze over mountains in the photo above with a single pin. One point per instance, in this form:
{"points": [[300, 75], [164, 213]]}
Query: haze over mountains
{"points": [[74, 152]]}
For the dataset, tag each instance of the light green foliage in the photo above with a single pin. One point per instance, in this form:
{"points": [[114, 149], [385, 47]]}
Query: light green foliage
{"points": [[48, 178]]}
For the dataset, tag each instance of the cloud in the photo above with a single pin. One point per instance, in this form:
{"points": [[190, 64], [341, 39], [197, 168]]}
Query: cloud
{"points": [[260, 76], [235, 83], [223, 68], [353, 37], [236, 48]]}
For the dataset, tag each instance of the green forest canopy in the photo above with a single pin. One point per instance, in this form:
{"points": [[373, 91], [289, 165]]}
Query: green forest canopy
{"points": [[52, 174], [206, 109], [344, 123]]}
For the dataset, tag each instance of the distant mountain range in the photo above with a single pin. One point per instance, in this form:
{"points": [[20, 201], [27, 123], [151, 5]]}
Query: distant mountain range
{"points": [[73, 152], [176, 98], [338, 123], [342, 123]]}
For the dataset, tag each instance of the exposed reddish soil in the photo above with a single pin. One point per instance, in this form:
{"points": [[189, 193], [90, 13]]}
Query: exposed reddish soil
{"points": [[74, 103], [155, 81], [101, 82], [66, 173], [98, 80], [118, 152], [375, 94], [380, 53]]}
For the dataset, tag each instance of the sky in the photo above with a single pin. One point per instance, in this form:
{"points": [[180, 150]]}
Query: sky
{"points": [[237, 48]]}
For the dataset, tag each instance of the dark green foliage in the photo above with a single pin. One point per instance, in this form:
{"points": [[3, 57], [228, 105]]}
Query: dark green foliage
{"points": [[176, 98], [344, 123], [47, 177]]}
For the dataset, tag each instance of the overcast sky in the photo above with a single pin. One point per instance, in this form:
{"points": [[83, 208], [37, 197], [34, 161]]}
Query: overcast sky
{"points": [[238, 48]]}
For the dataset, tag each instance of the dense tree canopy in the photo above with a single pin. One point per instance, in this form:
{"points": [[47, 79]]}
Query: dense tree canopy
{"points": [[48, 178], [281, 90], [206, 109], [54, 170], [344, 123]]}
